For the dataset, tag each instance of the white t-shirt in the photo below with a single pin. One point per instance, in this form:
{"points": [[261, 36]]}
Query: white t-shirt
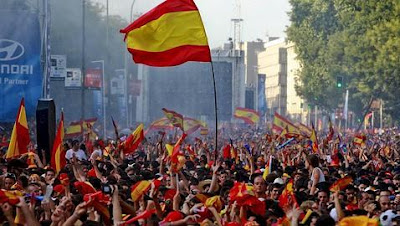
{"points": [[80, 154], [321, 175], [96, 153]]}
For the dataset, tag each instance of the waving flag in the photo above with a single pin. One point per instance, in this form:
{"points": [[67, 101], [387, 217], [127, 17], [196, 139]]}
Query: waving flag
{"points": [[58, 153], [11, 197], [190, 125], [132, 142], [250, 116], [287, 198], [314, 140], [20, 135], [165, 37], [74, 130], [268, 168], [139, 189], [304, 130], [176, 119], [341, 184], [162, 123], [280, 123]]}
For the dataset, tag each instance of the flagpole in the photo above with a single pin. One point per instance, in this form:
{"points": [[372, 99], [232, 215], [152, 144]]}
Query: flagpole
{"points": [[215, 111]]}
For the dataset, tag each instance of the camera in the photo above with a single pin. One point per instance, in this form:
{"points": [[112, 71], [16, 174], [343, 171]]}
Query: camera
{"points": [[107, 189]]}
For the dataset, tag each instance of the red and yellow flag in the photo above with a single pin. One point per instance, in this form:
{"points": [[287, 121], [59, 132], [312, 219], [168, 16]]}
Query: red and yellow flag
{"points": [[204, 131], [280, 123], [139, 189], [287, 198], [164, 37], [58, 153], [314, 140], [162, 123], [74, 129], [239, 192], [359, 139], [304, 130], [268, 168], [132, 142], [20, 135], [175, 118], [250, 116], [215, 202], [11, 197], [341, 184], [190, 125]]}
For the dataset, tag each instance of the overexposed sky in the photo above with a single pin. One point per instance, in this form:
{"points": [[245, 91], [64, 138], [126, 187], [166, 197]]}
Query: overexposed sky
{"points": [[261, 17]]}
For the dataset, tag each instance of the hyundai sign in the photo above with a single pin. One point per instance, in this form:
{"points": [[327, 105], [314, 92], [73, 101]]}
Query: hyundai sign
{"points": [[20, 73]]}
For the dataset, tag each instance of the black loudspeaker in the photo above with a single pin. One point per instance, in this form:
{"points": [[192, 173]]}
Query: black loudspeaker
{"points": [[45, 127]]}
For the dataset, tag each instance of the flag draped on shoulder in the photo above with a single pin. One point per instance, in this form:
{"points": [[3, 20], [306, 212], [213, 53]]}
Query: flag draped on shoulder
{"points": [[132, 142], [170, 34], [250, 116], [58, 153], [175, 118], [20, 134]]}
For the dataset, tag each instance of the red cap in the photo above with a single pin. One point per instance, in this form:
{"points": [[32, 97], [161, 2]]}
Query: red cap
{"points": [[59, 189], [173, 216]]}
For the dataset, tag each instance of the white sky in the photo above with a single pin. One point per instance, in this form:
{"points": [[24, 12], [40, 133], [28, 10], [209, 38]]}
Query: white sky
{"points": [[261, 17]]}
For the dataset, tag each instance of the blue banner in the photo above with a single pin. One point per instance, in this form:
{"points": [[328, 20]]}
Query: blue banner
{"points": [[262, 100], [20, 72]]}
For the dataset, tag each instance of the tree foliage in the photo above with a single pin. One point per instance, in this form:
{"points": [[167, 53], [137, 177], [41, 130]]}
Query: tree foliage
{"points": [[356, 39]]}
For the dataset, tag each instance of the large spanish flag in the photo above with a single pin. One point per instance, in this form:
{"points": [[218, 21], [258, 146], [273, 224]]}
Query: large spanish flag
{"points": [[132, 142], [58, 153], [170, 34], [175, 118], [248, 115], [20, 135]]}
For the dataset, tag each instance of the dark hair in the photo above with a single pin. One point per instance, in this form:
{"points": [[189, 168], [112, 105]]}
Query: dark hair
{"points": [[50, 170], [74, 142], [325, 220], [313, 160]]}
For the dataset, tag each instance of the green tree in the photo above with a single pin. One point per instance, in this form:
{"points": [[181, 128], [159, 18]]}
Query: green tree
{"points": [[357, 39]]}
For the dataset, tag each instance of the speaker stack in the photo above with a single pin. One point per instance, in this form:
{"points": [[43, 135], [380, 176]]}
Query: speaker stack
{"points": [[45, 127]]}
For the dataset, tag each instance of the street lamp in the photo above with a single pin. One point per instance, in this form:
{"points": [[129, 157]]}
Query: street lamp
{"points": [[126, 72], [103, 94]]}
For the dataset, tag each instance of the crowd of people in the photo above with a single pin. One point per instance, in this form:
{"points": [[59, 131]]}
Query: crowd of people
{"points": [[251, 180]]}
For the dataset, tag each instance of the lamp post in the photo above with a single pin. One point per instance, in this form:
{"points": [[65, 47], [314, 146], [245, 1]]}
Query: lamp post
{"points": [[103, 94], [128, 121]]}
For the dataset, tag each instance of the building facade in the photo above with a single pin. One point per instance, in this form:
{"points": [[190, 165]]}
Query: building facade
{"points": [[188, 88], [279, 64], [273, 62]]}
